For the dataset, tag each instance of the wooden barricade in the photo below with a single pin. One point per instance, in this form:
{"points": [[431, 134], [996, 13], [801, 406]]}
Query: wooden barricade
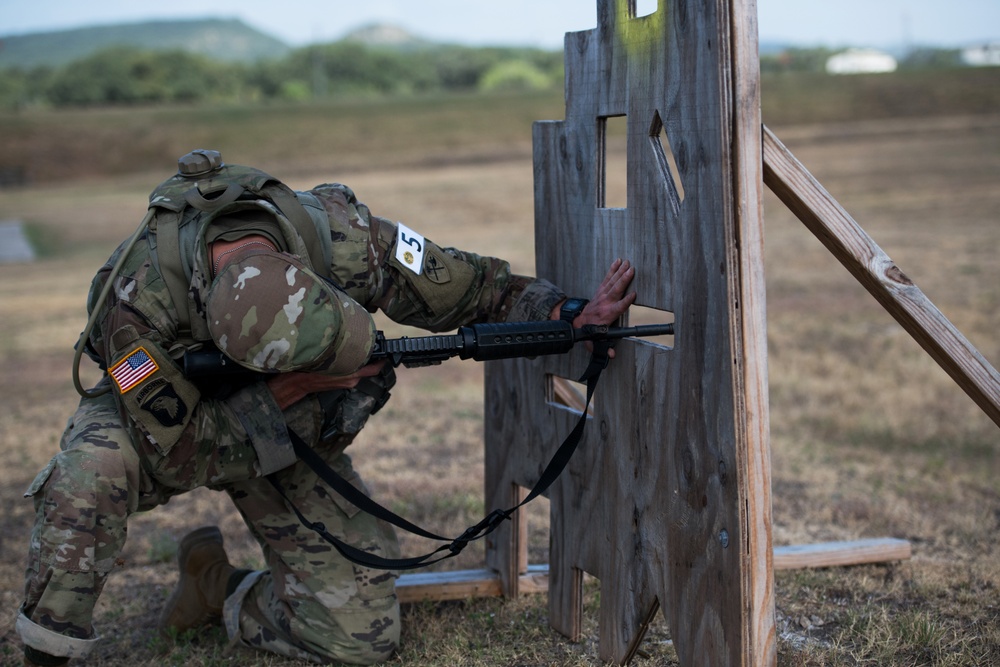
{"points": [[667, 501]]}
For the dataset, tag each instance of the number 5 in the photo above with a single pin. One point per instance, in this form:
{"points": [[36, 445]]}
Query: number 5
{"points": [[411, 241]]}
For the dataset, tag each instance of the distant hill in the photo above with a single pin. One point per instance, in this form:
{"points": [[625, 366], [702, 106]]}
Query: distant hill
{"points": [[384, 35], [228, 40]]}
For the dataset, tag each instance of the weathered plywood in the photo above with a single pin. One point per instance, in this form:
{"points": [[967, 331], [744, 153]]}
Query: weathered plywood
{"points": [[667, 501]]}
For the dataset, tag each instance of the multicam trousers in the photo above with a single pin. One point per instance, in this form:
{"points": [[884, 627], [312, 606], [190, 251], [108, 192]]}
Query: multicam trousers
{"points": [[310, 603]]}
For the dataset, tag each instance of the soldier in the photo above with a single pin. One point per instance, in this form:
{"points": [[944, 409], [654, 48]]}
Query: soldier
{"points": [[282, 283]]}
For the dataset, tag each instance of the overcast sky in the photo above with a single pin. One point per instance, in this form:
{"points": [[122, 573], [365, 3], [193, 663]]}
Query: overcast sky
{"points": [[885, 23]]}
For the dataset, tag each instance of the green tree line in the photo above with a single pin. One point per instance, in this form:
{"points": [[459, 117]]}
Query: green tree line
{"points": [[124, 76], [130, 76]]}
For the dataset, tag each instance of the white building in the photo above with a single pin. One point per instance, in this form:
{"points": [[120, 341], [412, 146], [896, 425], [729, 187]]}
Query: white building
{"points": [[982, 55], [860, 61]]}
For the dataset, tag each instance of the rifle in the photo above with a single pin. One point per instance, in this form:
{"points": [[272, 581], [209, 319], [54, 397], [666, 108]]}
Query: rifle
{"points": [[503, 340], [480, 342]]}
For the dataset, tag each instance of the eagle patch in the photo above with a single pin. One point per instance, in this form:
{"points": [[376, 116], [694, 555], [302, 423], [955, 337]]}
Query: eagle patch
{"points": [[162, 402]]}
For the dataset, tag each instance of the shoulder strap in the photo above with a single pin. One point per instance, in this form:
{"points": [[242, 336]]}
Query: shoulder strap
{"points": [[172, 268], [286, 201]]}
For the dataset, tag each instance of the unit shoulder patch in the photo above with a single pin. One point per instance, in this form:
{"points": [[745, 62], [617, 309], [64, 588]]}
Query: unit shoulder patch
{"points": [[436, 268], [131, 371]]}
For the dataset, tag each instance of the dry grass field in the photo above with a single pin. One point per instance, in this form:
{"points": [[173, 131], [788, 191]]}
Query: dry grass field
{"points": [[869, 437]]}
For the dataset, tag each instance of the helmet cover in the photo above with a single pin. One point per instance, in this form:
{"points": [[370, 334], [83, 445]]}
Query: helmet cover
{"points": [[270, 313]]}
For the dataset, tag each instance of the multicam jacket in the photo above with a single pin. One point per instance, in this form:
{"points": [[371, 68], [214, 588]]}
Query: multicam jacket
{"points": [[189, 437]]}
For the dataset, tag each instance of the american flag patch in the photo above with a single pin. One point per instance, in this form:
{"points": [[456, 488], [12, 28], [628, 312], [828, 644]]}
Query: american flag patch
{"points": [[133, 369]]}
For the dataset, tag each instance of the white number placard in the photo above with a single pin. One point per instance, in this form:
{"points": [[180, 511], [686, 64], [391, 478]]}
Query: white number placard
{"points": [[409, 248]]}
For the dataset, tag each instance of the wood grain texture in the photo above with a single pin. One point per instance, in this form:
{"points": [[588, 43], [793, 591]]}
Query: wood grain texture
{"points": [[752, 404], [465, 584], [885, 281], [838, 554], [667, 501]]}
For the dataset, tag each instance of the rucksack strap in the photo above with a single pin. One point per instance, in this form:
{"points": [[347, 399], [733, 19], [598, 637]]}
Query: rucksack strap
{"points": [[168, 247], [286, 201]]}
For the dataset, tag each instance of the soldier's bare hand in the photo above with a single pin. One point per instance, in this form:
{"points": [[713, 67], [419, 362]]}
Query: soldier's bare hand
{"points": [[290, 388], [612, 298]]}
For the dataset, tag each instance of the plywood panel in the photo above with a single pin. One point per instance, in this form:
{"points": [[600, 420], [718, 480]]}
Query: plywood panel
{"points": [[667, 502]]}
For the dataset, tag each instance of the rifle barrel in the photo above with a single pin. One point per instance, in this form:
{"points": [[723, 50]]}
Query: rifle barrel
{"points": [[591, 332]]}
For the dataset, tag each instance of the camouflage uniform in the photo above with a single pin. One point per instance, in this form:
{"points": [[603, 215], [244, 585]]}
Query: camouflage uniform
{"points": [[158, 434]]}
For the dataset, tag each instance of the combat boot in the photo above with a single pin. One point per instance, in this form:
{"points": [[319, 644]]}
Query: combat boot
{"points": [[35, 658], [201, 590]]}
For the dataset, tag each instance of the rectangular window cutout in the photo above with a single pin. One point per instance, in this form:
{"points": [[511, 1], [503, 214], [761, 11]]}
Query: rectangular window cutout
{"points": [[567, 393], [645, 7], [612, 153], [641, 315]]}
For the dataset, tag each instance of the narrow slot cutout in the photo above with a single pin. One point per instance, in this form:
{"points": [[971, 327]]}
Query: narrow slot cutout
{"points": [[535, 538], [590, 598], [612, 150], [666, 161], [642, 315]]}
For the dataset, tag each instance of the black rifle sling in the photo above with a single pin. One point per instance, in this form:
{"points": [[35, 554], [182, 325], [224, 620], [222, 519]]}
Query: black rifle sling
{"points": [[598, 361]]}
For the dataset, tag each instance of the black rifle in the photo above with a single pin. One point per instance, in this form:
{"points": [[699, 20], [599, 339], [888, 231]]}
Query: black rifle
{"points": [[481, 342], [504, 340]]}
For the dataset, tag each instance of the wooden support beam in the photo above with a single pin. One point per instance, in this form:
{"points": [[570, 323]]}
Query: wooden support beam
{"points": [[464, 584], [866, 261], [836, 554]]}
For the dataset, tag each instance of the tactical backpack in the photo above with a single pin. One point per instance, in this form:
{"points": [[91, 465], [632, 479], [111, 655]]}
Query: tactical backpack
{"points": [[205, 186]]}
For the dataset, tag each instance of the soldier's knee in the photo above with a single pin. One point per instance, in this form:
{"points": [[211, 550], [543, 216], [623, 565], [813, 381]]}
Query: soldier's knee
{"points": [[84, 479], [362, 636], [100, 469]]}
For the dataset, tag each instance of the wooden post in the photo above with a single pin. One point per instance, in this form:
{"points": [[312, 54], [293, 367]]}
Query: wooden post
{"points": [[667, 502]]}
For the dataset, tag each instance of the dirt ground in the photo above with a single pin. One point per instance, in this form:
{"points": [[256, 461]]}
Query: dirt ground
{"points": [[869, 437]]}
